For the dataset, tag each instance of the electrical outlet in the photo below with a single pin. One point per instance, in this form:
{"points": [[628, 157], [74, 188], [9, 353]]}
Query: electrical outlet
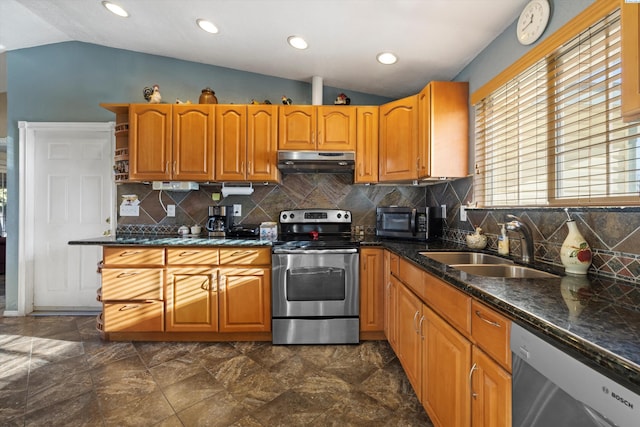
{"points": [[444, 211], [171, 210], [463, 213], [237, 210]]}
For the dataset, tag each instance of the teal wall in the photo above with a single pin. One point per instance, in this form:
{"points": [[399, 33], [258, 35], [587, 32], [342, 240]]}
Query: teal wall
{"points": [[66, 82]]}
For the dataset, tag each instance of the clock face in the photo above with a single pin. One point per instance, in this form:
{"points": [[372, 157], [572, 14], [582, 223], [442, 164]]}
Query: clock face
{"points": [[533, 20]]}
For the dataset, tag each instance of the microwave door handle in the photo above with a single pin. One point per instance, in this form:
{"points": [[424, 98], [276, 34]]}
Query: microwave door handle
{"points": [[414, 213]]}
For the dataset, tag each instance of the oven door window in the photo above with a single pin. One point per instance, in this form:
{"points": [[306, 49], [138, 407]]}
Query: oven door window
{"points": [[315, 284]]}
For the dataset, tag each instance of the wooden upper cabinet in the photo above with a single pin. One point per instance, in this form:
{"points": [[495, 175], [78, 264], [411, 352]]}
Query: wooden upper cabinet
{"points": [[297, 127], [150, 142], [262, 143], [231, 142], [171, 142], [193, 142], [336, 128], [246, 143], [399, 140], [367, 145], [443, 130], [310, 127], [630, 61]]}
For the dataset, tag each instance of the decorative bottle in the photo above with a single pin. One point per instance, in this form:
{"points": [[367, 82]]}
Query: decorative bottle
{"points": [[208, 96], [575, 252]]}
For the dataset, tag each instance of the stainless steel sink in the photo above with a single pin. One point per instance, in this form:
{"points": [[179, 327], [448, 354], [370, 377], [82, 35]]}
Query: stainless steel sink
{"points": [[451, 258], [501, 270]]}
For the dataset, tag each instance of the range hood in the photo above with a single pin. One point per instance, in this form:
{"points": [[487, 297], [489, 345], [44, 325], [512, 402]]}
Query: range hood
{"points": [[316, 161]]}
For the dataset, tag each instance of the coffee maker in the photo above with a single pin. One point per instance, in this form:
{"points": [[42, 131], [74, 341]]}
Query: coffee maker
{"points": [[220, 220]]}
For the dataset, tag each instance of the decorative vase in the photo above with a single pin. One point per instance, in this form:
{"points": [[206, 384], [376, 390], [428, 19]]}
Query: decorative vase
{"points": [[575, 252], [477, 240], [208, 96]]}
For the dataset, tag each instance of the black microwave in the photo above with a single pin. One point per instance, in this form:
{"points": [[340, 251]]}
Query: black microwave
{"points": [[408, 223]]}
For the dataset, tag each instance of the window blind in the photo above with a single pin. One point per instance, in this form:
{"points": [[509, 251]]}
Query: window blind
{"points": [[554, 135]]}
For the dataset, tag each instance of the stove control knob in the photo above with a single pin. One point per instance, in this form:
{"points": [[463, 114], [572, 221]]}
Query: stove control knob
{"points": [[339, 215], [346, 216], [284, 216], [291, 216]]}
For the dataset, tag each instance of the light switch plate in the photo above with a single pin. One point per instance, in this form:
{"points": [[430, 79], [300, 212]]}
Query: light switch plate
{"points": [[171, 210], [463, 213], [237, 210]]}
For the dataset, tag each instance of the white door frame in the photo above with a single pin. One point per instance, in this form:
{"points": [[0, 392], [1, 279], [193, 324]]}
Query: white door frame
{"points": [[26, 206]]}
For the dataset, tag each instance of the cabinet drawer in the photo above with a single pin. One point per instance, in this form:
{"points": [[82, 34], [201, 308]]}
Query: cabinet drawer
{"points": [[133, 256], [412, 277], [449, 303], [491, 333], [132, 283], [147, 316], [192, 256], [245, 256]]}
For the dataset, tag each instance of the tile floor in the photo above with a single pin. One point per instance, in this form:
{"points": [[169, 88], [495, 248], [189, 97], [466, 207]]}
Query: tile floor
{"points": [[56, 371]]}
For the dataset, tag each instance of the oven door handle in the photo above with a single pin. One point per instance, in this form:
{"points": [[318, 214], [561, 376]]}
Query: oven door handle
{"points": [[315, 251]]}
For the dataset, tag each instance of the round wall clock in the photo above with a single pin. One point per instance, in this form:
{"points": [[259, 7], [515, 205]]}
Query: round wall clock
{"points": [[533, 20]]}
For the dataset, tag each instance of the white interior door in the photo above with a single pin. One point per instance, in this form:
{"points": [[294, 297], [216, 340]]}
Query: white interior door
{"points": [[68, 196]]}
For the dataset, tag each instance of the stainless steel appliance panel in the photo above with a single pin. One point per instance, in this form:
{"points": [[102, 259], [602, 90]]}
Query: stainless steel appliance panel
{"points": [[314, 283], [551, 388], [316, 331]]}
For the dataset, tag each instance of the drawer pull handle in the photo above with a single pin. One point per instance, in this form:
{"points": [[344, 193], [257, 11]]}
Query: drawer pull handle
{"points": [[484, 319], [128, 307], [205, 285], [189, 253], [236, 253], [129, 274], [415, 322], [129, 253]]}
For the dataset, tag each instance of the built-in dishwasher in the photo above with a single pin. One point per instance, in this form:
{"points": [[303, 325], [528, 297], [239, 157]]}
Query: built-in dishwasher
{"points": [[551, 388]]}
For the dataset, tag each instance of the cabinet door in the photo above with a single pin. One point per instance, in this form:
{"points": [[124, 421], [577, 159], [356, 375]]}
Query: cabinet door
{"points": [[367, 145], [231, 143], [262, 143], [371, 290], [245, 299], [192, 299], [445, 381], [490, 392], [443, 129], [150, 142], [399, 140], [409, 337], [630, 61], [297, 127], [193, 142], [336, 128]]}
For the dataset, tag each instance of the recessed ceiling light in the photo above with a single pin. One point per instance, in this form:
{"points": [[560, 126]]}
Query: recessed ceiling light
{"points": [[114, 8], [387, 58], [207, 26], [297, 42]]}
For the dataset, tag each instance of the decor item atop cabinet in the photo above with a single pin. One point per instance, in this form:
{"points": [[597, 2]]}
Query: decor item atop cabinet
{"points": [[285, 100], [208, 96], [342, 99], [152, 94], [575, 252]]}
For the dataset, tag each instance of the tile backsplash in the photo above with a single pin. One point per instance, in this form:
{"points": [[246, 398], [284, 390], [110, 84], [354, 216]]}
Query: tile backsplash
{"points": [[295, 192], [613, 233]]}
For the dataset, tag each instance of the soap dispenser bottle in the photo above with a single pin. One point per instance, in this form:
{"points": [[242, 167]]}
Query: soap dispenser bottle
{"points": [[503, 241]]}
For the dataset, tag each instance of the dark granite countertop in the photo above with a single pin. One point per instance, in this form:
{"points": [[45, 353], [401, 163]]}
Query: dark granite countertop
{"points": [[602, 330]]}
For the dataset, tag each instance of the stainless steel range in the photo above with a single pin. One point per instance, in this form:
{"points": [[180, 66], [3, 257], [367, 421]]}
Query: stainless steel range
{"points": [[315, 281]]}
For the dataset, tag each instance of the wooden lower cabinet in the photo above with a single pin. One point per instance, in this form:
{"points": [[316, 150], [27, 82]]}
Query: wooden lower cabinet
{"points": [[390, 305], [409, 338], [245, 299], [371, 290], [133, 316], [490, 392], [445, 380], [192, 299]]}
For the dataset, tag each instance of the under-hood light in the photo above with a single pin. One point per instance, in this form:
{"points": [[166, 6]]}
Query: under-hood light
{"points": [[207, 26]]}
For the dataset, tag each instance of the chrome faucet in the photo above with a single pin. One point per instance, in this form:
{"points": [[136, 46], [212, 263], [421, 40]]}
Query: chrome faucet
{"points": [[526, 238]]}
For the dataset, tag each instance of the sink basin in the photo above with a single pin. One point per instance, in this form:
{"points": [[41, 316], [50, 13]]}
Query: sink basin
{"points": [[501, 270], [451, 258]]}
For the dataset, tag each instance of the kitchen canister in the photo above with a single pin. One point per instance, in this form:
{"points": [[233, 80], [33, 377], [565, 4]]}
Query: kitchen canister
{"points": [[575, 252], [208, 96]]}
